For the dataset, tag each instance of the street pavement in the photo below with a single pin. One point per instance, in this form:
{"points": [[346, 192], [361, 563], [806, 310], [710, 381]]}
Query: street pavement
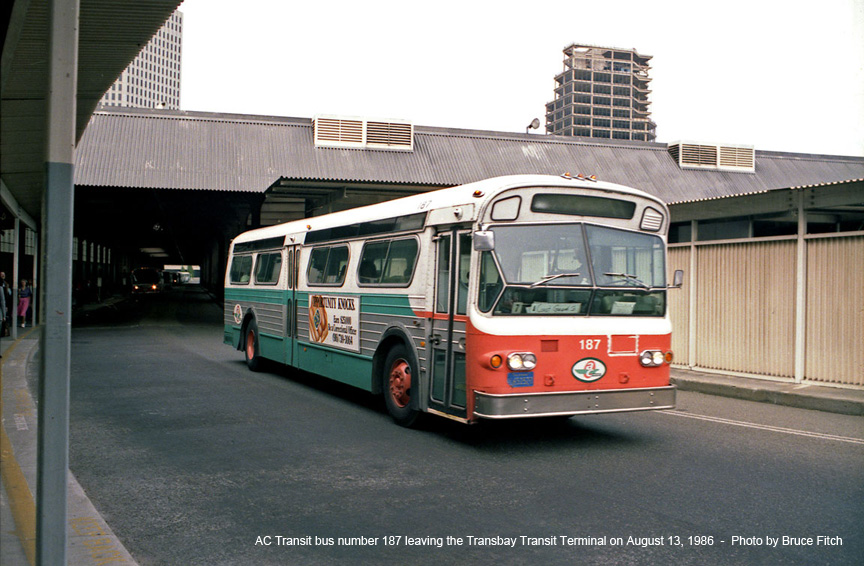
{"points": [[90, 540]]}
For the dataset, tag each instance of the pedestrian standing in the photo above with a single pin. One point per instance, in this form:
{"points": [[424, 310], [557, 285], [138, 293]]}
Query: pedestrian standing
{"points": [[24, 294], [2, 315], [7, 299]]}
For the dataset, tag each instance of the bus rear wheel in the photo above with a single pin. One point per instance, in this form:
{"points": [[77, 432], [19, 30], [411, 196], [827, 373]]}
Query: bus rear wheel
{"points": [[399, 385], [252, 350]]}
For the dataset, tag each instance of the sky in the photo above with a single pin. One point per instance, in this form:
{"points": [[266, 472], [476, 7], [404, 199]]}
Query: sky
{"points": [[779, 75]]}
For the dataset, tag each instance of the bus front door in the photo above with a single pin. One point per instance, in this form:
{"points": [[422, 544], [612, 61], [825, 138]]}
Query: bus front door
{"points": [[291, 306], [448, 392]]}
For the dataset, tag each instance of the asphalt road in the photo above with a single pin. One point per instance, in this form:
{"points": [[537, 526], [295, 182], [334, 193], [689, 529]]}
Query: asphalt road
{"points": [[193, 459]]}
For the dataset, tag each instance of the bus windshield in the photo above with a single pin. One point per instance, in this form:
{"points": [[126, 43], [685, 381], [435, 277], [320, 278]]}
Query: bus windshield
{"points": [[573, 269]]}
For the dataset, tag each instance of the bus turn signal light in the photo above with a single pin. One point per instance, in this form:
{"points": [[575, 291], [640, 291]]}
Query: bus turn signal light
{"points": [[495, 361]]}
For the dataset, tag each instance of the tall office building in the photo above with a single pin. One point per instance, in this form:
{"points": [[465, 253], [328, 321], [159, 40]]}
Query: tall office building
{"points": [[152, 79], [602, 93]]}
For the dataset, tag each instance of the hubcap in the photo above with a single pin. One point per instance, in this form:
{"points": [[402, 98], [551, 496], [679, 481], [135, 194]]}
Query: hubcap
{"points": [[400, 383], [250, 345]]}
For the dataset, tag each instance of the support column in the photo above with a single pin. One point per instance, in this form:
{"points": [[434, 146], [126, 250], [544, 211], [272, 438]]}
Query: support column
{"points": [[16, 273], [57, 211], [801, 291], [691, 331]]}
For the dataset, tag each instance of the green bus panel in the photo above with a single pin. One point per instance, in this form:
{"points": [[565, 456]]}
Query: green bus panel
{"points": [[346, 367]]}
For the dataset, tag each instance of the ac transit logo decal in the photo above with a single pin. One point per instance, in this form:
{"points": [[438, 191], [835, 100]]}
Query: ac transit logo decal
{"points": [[238, 314], [589, 369]]}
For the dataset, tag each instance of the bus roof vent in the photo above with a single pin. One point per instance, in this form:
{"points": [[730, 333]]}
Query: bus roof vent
{"points": [[362, 133], [692, 155]]}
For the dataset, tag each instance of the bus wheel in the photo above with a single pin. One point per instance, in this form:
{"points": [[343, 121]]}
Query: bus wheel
{"points": [[398, 379], [252, 351]]}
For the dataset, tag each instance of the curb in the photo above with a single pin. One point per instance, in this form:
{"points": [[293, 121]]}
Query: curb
{"points": [[798, 395]]}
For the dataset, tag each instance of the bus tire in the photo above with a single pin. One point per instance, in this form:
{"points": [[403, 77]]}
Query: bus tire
{"points": [[251, 348], [399, 386]]}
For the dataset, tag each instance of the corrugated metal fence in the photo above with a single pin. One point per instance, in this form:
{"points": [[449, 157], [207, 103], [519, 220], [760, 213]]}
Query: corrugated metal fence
{"points": [[737, 309]]}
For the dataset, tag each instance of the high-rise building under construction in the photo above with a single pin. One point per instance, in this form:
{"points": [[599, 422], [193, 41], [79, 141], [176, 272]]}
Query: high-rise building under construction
{"points": [[602, 93]]}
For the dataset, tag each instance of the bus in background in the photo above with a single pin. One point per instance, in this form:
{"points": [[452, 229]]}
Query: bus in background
{"points": [[146, 281], [517, 296]]}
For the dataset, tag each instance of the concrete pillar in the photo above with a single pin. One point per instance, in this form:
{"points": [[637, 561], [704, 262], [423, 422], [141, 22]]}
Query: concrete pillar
{"points": [[57, 212]]}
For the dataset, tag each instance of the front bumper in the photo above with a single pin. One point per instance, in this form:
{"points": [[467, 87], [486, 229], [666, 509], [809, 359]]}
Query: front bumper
{"points": [[513, 406]]}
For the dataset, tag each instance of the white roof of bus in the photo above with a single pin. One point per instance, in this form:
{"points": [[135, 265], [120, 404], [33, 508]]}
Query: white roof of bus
{"points": [[442, 198]]}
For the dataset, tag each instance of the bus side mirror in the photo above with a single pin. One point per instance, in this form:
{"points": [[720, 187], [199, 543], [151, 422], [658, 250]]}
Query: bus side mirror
{"points": [[678, 279], [484, 240]]}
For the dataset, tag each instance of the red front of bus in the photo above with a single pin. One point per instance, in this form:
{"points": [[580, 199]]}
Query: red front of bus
{"points": [[570, 306], [557, 374]]}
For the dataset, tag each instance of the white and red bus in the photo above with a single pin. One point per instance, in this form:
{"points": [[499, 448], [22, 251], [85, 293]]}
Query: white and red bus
{"points": [[517, 296]]}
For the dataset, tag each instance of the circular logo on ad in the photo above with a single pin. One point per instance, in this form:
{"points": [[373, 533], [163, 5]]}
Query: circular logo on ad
{"points": [[238, 314], [589, 369]]}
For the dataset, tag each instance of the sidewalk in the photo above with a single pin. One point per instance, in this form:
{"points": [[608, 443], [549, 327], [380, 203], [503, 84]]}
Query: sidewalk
{"points": [[90, 541]]}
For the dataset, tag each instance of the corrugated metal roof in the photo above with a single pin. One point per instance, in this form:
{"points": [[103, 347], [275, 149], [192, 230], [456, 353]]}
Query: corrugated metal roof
{"points": [[110, 35], [186, 150]]}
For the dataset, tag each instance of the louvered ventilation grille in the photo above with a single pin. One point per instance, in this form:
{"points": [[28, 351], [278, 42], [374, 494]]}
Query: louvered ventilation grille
{"points": [[708, 156], [338, 130], [388, 134], [699, 154], [737, 157], [651, 220], [333, 131]]}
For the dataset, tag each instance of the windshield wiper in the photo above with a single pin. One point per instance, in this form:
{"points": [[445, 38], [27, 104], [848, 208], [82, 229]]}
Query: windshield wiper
{"points": [[629, 278], [551, 277]]}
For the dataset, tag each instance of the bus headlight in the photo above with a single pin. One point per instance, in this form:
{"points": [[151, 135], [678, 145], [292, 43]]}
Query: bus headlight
{"points": [[521, 361], [652, 358]]}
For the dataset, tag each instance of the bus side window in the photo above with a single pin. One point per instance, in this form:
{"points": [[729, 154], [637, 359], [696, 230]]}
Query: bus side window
{"points": [[241, 269], [372, 262], [464, 270], [337, 263], [442, 298], [268, 267], [388, 262], [291, 282], [327, 266], [400, 262], [317, 264]]}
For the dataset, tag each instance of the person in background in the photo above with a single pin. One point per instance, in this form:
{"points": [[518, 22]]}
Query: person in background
{"points": [[2, 315], [24, 294], [7, 296]]}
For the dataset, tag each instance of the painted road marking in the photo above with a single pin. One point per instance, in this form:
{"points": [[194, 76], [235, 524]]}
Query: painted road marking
{"points": [[101, 546], [780, 429]]}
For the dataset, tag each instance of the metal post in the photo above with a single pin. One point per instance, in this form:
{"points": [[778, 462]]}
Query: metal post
{"points": [[16, 258], [691, 344], [801, 291], [57, 211], [35, 303]]}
